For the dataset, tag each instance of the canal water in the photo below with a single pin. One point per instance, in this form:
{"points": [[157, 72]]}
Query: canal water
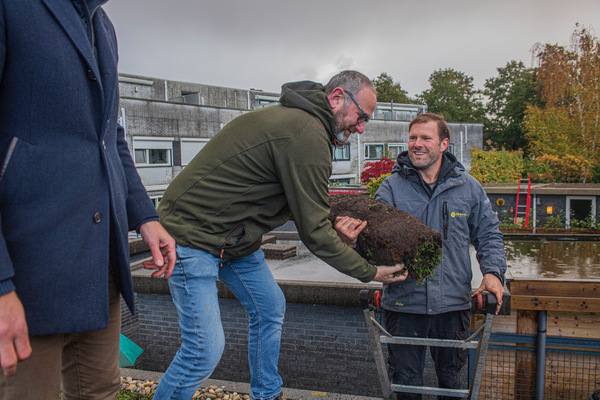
{"points": [[554, 259], [526, 258]]}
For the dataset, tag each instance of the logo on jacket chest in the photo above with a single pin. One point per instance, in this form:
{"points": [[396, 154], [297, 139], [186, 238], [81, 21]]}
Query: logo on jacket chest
{"points": [[454, 214]]}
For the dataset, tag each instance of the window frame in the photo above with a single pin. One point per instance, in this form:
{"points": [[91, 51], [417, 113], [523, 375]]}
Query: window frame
{"points": [[191, 140], [366, 145], [402, 147], [344, 150], [147, 144]]}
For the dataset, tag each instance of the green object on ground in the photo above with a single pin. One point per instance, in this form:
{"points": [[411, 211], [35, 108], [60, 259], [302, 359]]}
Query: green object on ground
{"points": [[128, 352]]}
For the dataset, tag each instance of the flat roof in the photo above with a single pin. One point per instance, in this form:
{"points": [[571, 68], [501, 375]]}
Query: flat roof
{"points": [[567, 189]]}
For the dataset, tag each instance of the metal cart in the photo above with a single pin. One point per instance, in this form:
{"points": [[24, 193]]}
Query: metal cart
{"points": [[481, 304]]}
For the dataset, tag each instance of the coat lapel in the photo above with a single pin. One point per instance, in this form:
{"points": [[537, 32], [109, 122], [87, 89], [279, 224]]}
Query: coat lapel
{"points": [[107, 61], [67, 17]]}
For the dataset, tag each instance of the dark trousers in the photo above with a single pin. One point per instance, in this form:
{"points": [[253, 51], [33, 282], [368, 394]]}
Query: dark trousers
{"points": [[406, 363]]}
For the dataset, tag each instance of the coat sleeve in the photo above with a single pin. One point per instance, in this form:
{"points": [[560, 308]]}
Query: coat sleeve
{"points": [[486, 236], [139, 206], [304, 169], [6, 268]]}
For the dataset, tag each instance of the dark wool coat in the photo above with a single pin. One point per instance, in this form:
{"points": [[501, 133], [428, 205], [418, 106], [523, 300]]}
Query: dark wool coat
{"points": [[70, 192]]}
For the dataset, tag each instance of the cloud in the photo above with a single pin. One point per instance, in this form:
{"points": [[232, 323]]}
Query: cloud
{"points": [[265, 43]]}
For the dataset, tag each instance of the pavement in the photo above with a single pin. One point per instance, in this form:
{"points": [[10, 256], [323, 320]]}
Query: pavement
{"points": [[307, 267]]}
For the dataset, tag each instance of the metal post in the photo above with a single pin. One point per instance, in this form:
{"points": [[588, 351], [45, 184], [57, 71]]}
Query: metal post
{"points": [[540, 367], [484, 340], [379, 360]]}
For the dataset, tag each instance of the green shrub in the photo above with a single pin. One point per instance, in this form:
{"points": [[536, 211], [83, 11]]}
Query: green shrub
{"points": [[496, 166]]}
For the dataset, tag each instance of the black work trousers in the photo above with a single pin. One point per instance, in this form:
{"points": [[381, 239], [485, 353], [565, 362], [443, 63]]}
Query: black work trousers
{"points": [[406, 363]]}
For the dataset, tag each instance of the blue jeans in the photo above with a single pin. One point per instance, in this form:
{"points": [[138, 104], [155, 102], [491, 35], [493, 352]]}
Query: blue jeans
{"points": [[194, 291]]}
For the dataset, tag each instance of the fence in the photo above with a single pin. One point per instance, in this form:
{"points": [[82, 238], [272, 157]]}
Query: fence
{"points": [[572, 368]]}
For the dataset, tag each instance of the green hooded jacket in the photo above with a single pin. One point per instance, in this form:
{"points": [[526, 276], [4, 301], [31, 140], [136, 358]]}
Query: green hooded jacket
{"points": [[261, 169]]}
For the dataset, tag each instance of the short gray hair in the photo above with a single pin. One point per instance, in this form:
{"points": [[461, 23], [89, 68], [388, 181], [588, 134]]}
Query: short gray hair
{"points": [[350, 81]]}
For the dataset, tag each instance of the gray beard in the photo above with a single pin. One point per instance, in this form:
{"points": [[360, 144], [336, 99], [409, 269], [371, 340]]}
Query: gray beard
{"points": [[340, 138]]}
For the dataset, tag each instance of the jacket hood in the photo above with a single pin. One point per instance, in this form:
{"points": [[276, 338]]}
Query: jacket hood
{"points": [[310, 97], [405, 166]]}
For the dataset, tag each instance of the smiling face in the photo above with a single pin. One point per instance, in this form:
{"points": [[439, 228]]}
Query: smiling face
{"points": [[425, 149], [348, 114]]}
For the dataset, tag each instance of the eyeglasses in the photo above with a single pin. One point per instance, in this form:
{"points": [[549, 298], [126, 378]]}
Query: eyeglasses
{"points": [[364, 117]]}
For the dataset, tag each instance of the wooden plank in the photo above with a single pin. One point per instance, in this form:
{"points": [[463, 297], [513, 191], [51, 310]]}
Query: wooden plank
{"points": [[525, 368], [552, 303], [269, 239], [546, 287], [581, 325], [502, 323]]}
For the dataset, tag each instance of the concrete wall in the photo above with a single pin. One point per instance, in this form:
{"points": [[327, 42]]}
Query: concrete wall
{"points": [[158, 119], [147, 88]]}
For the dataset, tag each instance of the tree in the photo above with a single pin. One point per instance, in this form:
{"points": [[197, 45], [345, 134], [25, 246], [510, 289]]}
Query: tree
{"points": [[374, 169], [568, 81], [452, 94], [496, 166], [508, 94], [390, 91], [555, 144]]}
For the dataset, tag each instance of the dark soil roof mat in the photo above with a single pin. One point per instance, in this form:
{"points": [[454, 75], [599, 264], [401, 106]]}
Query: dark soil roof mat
{"points": [[392, 236]]}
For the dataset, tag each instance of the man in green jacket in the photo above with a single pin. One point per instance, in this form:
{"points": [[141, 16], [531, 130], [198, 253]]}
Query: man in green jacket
{"points": [[261, 169]]}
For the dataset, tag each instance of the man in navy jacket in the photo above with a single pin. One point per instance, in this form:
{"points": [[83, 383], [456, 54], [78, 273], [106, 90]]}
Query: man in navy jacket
{"points": [[69, 193], [432, 185]]}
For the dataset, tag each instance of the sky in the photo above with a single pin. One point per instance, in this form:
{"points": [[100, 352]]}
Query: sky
{"points": [[261, 44]]}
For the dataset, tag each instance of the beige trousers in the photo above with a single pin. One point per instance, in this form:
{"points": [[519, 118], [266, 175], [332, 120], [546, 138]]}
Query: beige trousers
{"points": [[83, 365]]}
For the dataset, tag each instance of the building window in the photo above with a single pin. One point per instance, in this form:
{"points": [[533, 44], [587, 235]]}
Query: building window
{"points": [[342, 154], [189, 149], [344, 181], [373, 151], [153, 151], [156, 200], [394, 149]]}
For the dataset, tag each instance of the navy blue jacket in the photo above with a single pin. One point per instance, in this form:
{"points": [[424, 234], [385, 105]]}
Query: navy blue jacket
{"points": [[460, 210], [70, 192]]}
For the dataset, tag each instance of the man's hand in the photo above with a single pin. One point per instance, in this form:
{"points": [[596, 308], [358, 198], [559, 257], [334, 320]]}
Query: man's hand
{"points": [[162, 246], [348, 229], [14, 337], [492, 284], [386, 274]]}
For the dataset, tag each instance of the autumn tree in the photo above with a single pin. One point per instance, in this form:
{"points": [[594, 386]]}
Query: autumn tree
{"points": [[390, 91], [508, 95], [568, 81], [453, 95], [496, 166]]}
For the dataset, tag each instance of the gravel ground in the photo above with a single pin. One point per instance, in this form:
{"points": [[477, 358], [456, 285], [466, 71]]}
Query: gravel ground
{"points": [[203, 393], [146, 381]]}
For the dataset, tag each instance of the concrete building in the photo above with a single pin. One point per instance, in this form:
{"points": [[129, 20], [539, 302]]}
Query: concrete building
{"points": [[167, 122]]}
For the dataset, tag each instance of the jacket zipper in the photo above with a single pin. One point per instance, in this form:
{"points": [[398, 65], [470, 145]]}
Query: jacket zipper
{"points": [[445, 218]]}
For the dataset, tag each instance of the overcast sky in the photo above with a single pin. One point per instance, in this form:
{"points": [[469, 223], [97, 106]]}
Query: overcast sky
{"points": [[262, 44]]}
